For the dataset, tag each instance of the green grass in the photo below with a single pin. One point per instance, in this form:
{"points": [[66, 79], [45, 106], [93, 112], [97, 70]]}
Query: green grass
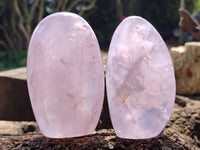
{"points": [[12, 59]]}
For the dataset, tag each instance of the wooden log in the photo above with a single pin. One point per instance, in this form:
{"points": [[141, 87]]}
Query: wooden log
{"points": [[14, 98], [186, 62]]}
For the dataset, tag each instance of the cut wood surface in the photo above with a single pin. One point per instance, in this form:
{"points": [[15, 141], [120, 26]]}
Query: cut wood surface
{"points": [[186, 61]]}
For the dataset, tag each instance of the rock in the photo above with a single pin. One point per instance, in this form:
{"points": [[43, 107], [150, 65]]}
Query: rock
{"points": [[186, 60], [10, 128], [65, 76], [140, 80], [29, 127], [183, 102], [14, 99], [17, 128], [104, 56]]}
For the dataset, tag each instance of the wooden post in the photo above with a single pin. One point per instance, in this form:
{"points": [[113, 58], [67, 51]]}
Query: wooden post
{"points": [[182, 4]]}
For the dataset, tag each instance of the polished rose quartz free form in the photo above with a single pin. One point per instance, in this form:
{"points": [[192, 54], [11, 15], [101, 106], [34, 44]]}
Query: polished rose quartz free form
{"points": [[140, 80], [65, 76]]}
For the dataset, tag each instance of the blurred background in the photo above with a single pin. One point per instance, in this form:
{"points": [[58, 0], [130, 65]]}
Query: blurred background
{"points": [[18, 18]]}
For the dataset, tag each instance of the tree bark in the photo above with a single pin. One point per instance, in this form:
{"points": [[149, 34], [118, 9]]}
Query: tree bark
{"points": [[9, 40], [21, 18], [20, 21], [88, 7], [41, 11]]}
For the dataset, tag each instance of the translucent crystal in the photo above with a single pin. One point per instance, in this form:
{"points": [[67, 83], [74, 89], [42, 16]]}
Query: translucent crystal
{"points": [[140, 80], [65, 76]]}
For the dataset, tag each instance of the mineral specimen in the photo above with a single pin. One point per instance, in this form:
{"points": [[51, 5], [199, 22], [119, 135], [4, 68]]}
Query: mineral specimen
{"points": [[140, 80], [65, 76]]}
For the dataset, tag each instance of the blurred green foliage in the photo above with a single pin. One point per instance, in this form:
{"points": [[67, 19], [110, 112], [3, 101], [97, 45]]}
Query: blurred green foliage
{"points": [[12, 59], [104, 18], [196, 6], [104, 21], [163, 14]]}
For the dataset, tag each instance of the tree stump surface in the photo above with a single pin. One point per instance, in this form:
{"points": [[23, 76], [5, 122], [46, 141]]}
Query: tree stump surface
{"points": [[186, 61], [181, 132]]}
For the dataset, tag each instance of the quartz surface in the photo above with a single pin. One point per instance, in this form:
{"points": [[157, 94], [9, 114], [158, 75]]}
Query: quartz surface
{"points": [[140, 80], [65, 76]]}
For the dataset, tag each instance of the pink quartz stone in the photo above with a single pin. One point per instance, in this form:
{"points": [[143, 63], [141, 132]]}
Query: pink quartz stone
{"points": [[140, 80], [65, 76]]}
